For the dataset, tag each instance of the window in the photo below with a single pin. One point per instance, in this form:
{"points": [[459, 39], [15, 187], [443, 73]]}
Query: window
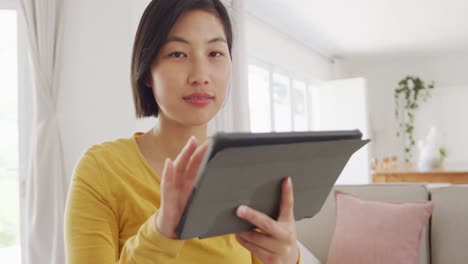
{"points": [[9, 180], [277, 101], [281, 102], [299, 106], [259, 82]]}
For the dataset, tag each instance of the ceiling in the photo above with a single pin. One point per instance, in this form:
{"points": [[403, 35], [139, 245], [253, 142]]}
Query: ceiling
{"points": [[344, 28]]}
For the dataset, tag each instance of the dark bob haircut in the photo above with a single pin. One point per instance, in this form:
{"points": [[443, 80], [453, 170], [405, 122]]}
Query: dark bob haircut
{"points": [[153, 30]]}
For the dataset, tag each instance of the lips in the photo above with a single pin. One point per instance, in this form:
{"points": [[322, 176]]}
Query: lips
{"points": [[199, 99], [198, 96]]}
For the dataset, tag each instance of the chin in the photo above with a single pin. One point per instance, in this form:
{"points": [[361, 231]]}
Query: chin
{"points": [[196, 117], [199, 120]]}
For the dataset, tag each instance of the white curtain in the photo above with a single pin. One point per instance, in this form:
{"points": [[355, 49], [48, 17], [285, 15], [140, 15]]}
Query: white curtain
{"points": [[44, 177], [234, 117]]}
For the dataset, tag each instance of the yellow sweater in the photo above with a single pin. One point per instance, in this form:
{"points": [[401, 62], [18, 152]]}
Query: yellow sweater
{"points": [[112, 201]]}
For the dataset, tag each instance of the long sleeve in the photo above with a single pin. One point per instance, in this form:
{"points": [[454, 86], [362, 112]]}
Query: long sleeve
{"points": [[113, 199], [92, 229]]}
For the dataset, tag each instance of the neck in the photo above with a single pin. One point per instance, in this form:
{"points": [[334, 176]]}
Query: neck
{"points": [[172, 136]]}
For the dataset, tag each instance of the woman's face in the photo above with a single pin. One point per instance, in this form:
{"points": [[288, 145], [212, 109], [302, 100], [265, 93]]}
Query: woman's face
{"points": [[191, 75]]}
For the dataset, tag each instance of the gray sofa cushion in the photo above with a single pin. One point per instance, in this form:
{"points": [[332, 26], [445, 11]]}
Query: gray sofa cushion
{"points": [[316, 233], [449, 225]]}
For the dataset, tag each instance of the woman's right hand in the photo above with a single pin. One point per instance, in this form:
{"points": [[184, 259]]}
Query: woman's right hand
{"points": [[177, 182]]}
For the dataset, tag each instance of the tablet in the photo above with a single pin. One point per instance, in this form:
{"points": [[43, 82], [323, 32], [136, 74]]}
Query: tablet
{"points": [[248, 168]]}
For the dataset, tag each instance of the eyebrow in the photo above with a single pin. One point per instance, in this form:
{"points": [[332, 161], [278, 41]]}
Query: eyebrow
{"points": [[182, 40]]}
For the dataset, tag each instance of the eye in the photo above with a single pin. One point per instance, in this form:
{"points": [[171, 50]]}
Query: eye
{"points": [[177, 54], [215, 54]]}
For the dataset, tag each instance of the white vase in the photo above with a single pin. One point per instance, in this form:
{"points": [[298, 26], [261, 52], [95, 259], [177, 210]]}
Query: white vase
{"points": [[429, 163], [429, 155]]}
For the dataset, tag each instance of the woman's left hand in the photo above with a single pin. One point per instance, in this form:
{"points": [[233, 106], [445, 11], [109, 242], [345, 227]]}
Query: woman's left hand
{"points": [[275, 243]]}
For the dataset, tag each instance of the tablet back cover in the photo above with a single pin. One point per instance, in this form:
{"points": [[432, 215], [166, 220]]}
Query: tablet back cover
{"points": [[252, 175]]}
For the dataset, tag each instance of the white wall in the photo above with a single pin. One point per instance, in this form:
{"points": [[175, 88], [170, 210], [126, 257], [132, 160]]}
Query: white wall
{"points": [[447, 109], [337, 109], [342, 105], [270, 46], [95, 102]]}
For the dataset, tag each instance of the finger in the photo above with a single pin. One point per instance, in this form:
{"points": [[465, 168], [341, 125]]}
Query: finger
{"points": [[286, 213], [167, 171], [264, 255], [195, 162], [261, 239], [262, 221], [167, 175], [184, 156]]}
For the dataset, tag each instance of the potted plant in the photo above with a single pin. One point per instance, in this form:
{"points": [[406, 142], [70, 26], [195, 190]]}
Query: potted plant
{"points": [[411, 91]]}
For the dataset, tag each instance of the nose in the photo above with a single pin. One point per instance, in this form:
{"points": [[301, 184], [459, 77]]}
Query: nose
{"points": [[199, 72]]}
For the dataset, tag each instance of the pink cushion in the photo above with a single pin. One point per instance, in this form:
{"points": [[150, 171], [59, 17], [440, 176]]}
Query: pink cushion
{"points": [[368, 232]]}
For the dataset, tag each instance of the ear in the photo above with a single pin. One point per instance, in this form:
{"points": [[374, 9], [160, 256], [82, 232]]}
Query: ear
{"points": [[149, 81]]}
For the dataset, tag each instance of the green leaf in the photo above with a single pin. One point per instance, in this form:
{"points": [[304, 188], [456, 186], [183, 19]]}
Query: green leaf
{"points": [[412, 98], [443, 152]]}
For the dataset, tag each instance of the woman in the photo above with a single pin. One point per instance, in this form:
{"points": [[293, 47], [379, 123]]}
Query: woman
{"points": [[127, 196]]}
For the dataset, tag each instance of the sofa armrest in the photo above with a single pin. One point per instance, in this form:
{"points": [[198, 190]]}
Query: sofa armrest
{"points": [[306, 256]]}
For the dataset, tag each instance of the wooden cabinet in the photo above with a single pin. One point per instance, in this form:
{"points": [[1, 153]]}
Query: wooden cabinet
{"points": [[455, 173]]}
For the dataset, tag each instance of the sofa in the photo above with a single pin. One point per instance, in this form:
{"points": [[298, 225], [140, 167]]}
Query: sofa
{"points": [[445, 240]]}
